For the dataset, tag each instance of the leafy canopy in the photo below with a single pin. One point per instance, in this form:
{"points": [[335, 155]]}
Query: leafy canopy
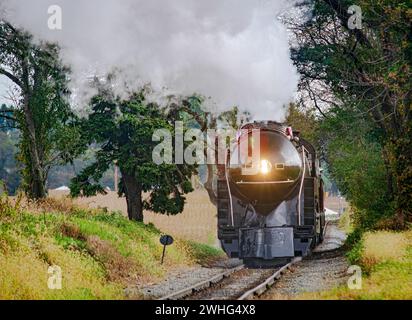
{"points": [[123, 129]]}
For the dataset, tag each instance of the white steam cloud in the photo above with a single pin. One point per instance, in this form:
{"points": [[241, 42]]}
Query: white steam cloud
{"points": [[235, 52]]}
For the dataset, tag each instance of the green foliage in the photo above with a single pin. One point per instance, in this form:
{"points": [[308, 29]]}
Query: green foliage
{"points": [[204, 253], [7, 120], [345, 221], [357, 166], [361, 79], [305, 121], [61, 175], [124, 129], [354, 240], [42, 112]]}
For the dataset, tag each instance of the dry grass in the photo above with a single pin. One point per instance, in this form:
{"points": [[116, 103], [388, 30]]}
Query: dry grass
{"points": [[119, 268], [58, 202], [72, 231], [383, 246], [23, 274]]}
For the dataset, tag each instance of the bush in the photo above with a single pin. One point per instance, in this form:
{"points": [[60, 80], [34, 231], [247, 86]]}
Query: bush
{"points": [[355, 158]]}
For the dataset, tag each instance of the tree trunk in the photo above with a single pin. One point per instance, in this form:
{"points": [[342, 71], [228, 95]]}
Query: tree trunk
{"points": [[37, 184], [388, 173], [133, 192], [402, 163]]}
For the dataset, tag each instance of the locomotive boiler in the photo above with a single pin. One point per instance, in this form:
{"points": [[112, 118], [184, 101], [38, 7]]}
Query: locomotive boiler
{"points": [[270, 196]]}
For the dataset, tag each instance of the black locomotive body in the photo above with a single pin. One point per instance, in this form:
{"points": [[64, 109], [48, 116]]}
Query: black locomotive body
{"points": [[270, 196]]}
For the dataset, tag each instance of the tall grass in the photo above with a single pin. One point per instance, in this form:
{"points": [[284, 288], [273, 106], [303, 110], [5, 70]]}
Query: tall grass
{"points": [[99, 252]]}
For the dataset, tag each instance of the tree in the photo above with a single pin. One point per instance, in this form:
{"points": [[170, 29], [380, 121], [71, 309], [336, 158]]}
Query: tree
{"points": [[123, 129], [305, 122], [354, 155], [365, 72], [42, 113]]}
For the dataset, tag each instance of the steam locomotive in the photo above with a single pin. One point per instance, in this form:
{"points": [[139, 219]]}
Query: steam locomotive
{"points": [[270, 196]]}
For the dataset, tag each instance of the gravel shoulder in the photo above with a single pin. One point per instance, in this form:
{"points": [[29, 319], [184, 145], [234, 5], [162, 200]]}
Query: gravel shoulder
{"points": [[325, 269]]}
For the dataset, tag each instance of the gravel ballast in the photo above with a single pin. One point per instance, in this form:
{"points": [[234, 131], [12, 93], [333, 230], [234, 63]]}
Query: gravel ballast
{"points": [[184, 278], [324, 269]]}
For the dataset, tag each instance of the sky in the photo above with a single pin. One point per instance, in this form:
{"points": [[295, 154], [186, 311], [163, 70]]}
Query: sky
{"points": [[233, 52], [4, 85]]}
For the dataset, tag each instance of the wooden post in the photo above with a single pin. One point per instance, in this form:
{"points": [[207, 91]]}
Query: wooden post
{"points": [[163, 254]]}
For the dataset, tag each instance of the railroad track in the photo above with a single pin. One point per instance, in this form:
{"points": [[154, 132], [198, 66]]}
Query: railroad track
{"points": [[237, 283], [264, 286], [240, 283]]}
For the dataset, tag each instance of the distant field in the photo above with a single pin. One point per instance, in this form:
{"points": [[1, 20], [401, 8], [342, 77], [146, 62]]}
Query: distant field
{"points": [[198, 221]]}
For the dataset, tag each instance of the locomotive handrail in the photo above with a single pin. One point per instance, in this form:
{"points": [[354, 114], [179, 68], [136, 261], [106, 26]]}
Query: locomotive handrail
{"points": [[228, 188], [301, 187]]}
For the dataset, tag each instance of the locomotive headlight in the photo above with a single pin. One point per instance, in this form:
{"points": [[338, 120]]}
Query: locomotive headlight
{"points": [[265, 167]]}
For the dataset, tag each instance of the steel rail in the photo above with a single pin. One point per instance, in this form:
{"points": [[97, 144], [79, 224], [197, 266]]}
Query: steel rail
{"points": [[201, 285], [258, 290], [264, 286]]}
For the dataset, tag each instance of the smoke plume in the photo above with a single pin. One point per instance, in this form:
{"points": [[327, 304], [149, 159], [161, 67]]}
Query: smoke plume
{"points": [[235, 52]]}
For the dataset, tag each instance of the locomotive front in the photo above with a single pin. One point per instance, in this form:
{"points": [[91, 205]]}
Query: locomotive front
{"points": [[264, 169], [261, 196]]}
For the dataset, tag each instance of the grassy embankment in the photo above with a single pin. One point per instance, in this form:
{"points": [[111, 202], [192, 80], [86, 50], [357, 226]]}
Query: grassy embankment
{"points": [[385, 258], [100, 253]]}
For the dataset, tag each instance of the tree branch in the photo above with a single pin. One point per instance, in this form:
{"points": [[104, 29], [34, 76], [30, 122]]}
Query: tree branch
{"points": [[343, 15], [12, 77]]}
